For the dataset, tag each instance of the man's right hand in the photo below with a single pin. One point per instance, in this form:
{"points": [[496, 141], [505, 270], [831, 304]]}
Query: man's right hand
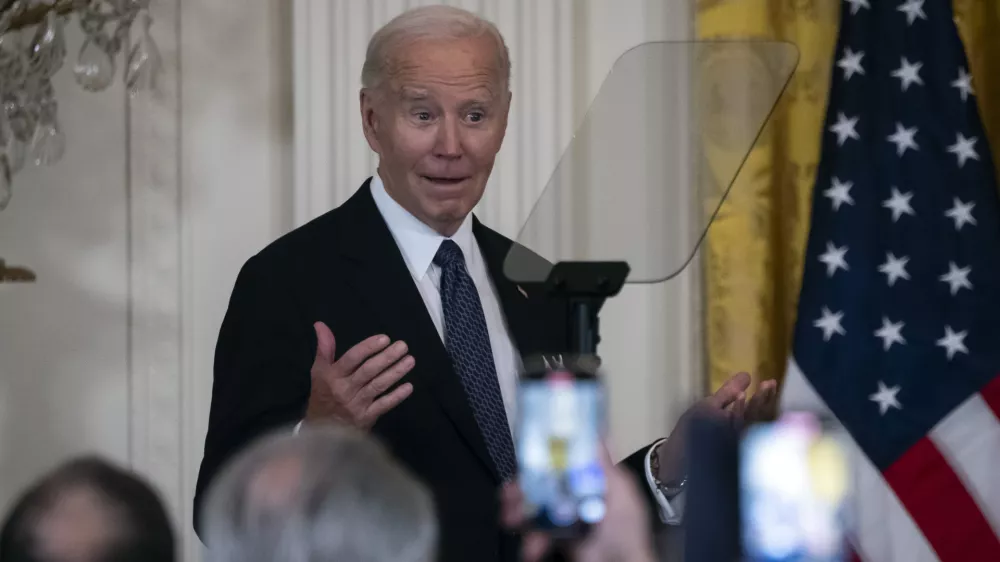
{"points": [[351, 390]]}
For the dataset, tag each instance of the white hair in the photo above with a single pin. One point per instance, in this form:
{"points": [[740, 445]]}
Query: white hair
{"points": [[439, 22], [323, 495]]}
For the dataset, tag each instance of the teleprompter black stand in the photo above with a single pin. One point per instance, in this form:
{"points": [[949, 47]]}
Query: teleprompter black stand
{"points": [[586, 285]]}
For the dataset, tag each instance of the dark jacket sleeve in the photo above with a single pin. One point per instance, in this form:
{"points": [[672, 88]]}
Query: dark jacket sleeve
{"points": [[261, 378]]}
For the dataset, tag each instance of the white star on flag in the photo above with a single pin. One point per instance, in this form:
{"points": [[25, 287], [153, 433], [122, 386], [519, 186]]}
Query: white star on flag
{"points": [[913, 9], [840, 193], [899, 203], [886, 398], [964, 84], [890, 333], [845, 129], [851, 63], [894, 268], [834, 259], [957, 278], [965, 149], [903, 138], [830, 324], [908, 73], [953, 342], [857, 5], [961, 213]]}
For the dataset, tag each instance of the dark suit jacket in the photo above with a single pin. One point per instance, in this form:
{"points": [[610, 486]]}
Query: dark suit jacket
{"points": [[345, 269]]}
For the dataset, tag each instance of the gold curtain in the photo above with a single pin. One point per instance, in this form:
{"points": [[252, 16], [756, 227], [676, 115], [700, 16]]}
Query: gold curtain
{"points": [[754, 251]]}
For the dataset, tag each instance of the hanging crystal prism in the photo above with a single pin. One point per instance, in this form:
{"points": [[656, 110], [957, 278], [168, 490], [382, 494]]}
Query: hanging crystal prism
{"points": [[6, 188], [144, 62], [16, 152], [48, 143], [94, 69], [48, 47], [32, 54], [13, 61], [18, 129]]}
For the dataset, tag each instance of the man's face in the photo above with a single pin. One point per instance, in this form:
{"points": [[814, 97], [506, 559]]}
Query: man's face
{"points": [[437, 124]]}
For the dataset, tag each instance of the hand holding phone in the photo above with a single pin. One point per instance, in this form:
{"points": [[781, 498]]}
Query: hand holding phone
{"points": [[559, 439], [623, 534]]}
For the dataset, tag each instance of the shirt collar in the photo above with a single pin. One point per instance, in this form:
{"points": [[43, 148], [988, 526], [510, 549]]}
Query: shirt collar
{"points": [[417, 241]]}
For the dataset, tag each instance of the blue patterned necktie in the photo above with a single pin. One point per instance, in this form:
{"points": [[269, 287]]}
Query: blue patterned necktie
{"points": [[468, 344]]}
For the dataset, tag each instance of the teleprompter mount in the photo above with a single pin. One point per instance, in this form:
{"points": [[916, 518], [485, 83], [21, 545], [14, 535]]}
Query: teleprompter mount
{"points": [[585, 285]]}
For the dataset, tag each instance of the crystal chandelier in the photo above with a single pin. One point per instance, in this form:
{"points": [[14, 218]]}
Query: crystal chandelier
{"points": [[32, 50]]}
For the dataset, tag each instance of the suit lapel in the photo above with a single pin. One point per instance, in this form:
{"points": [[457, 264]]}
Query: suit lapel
{"points": [[383, 281], [520, 303]]}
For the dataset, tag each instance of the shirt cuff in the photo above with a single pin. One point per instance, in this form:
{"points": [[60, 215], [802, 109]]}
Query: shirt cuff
{"points": [[671, 511]]}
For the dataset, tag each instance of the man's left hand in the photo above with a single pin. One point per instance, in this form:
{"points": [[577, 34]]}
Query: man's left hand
{"points": [[730, 402]]}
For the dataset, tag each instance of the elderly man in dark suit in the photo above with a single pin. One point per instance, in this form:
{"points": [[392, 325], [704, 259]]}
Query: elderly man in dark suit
{"points": [[391, 313]]}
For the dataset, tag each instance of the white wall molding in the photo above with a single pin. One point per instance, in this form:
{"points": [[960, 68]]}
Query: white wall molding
{"points": [[230, 108], [156, 374], [313, 81]]}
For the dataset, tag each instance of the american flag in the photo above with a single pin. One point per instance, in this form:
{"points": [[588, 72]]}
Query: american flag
{"points": [[898, 331]]}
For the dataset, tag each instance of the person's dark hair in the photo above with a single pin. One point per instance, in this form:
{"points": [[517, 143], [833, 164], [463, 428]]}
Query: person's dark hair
{"points": [[142, 532]]}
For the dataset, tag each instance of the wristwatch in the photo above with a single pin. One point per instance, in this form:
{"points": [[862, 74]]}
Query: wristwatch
{"points": [[670, 489]]}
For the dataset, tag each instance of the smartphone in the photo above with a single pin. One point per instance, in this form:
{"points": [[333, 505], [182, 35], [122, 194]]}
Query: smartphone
{"points": [[794, 484], [561, 423]]}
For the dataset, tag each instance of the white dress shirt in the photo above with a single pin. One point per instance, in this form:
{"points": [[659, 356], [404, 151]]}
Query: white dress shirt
{"points": [[419, 243]]}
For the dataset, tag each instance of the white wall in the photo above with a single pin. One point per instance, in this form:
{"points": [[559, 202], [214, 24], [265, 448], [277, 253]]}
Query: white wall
{"points": [[63, 340], [236, 180], [138, 234]]}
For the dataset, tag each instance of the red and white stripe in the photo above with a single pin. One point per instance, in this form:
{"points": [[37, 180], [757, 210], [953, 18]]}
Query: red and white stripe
{"points": [[940, 502]]}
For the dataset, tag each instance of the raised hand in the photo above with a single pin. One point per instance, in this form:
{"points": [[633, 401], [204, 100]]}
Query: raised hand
{"points": [[731, 398], [352, 389], [730, 402]]}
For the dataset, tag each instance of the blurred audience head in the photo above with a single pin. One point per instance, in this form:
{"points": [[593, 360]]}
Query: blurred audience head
{"points": [[323, 494], [88, 510]]}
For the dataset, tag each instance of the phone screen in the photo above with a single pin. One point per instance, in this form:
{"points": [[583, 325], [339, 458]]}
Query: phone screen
{"points": [[561, 424], [793, 489]]}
